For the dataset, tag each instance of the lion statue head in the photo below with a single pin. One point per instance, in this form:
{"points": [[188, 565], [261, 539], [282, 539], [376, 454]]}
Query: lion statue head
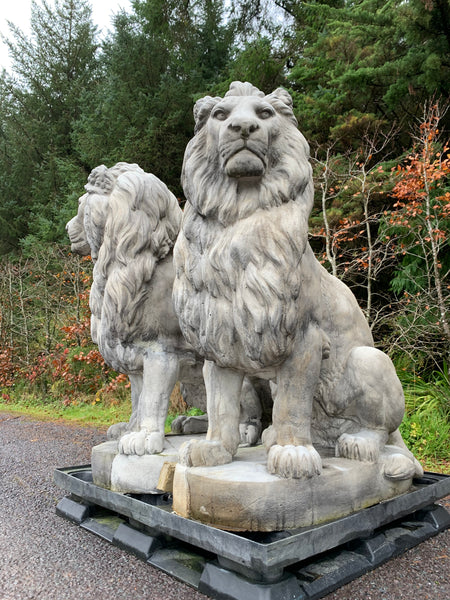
{"points": [[127, 221], [249, 191], [76, 231], [86, 229], [234, 164]]}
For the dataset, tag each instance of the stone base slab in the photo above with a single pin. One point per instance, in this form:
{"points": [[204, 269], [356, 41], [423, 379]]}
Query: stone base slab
{"points": [[243, 496], [130, 473]]}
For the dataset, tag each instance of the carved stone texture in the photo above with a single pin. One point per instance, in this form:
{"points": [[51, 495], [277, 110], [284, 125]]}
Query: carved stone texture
{"points": [[252, 299], [128, 221]]}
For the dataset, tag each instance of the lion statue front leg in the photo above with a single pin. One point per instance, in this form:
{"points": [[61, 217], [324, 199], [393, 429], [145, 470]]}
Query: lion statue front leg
{"points": [[159, 378], [291, 453], [117, 430], [223, 393]]}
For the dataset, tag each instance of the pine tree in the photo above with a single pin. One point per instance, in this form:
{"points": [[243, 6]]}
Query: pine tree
{"points": [[157, 60], [40, 101], [367, 60]]}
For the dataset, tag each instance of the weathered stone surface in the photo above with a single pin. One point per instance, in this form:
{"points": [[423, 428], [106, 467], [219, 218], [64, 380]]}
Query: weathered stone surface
{"points": [[244, 496], [102, 457], [254, 305], [166, 475], [128, 221]]}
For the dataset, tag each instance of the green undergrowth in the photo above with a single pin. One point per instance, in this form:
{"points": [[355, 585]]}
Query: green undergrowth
{"points": [[85, 413], [426, 424]]}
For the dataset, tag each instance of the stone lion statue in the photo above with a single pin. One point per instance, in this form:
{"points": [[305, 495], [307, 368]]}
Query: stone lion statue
{"points": [[252, 299], [128, 221]]}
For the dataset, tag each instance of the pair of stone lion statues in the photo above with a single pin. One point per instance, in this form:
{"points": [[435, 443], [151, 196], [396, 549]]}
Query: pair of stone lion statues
{"points": [[231, 287]]}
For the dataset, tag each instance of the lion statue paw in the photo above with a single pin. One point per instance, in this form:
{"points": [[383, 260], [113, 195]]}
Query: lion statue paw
{"points": [[398, 467], [184, 425], [250, 432], [203, 453], [141, 442], [296, 462], [116, 431], [363, 446]]}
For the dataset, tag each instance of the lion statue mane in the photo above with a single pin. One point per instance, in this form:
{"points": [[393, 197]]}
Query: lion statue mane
{"points": [[252, 298], [128, 221], [86, 228]]}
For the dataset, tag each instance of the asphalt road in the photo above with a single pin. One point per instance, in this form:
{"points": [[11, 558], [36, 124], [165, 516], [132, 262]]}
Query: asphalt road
{"points": [[45, 557]]}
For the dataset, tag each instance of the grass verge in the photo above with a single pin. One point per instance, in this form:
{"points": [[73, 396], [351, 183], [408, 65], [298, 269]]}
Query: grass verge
{"points": [[83, 414], [426, 424]]}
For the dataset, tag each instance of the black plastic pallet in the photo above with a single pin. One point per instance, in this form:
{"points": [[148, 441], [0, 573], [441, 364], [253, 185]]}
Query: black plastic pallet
{"points": [[307, 563]]}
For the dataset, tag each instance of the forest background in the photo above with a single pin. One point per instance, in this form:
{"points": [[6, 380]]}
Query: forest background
{"points": [[370, 83]]}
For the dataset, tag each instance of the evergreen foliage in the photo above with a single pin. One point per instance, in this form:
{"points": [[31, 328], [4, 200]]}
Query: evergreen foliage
{"points": [[144, 114], [39, 103], [368, 60]]}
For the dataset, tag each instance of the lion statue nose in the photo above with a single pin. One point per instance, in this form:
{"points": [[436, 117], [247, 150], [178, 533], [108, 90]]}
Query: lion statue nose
{"points": [[244, 127]]}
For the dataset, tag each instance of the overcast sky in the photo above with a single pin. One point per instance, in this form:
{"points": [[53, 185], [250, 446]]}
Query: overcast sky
{"points": [[19, 12]]}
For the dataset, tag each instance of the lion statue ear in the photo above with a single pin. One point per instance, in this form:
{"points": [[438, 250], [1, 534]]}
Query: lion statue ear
{"points": [[283, 95], [100, 181], [281, 100], [202, 110]]}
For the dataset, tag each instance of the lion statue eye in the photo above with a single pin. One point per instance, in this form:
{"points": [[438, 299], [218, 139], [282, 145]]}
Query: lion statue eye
{"points": [[220, 114], [265, 113]]}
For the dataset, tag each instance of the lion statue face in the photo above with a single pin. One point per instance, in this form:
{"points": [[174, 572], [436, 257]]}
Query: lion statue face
{"points": [[76, 231], [244, 130], [249, 190], [247, 153]]}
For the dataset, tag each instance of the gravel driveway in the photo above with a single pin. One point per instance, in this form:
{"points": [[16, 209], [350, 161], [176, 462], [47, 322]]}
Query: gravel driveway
{"points": [[43, 556]]}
